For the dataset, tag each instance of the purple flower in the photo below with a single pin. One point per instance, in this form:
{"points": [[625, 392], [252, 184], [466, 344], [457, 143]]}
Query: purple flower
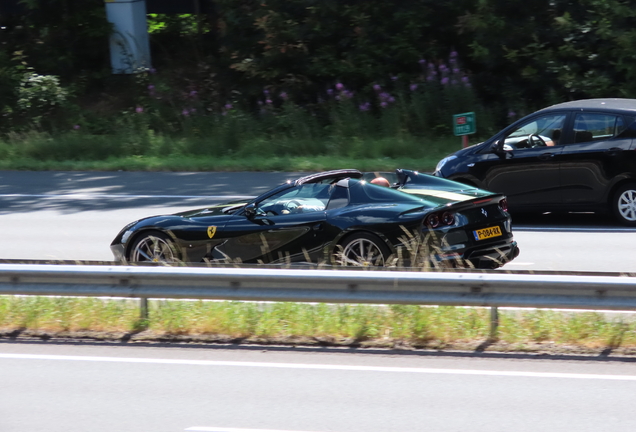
{"points": [[431, 66], [422, 61], [443, 67], [266, 91], [453, 54], [151, 87], [185, 112], [228, 106], [284, 96], [152, 71], [465, 80], [139, 110], [384, 96], [193, 93], [364, 106], [391, 99], [455, 70], [511, 114], [268, 101], [339, 87], [413, 87], [384, 104], [329, 92], [430, 78], [377, 87], [76, 127], [394, 78], [444, 81]]}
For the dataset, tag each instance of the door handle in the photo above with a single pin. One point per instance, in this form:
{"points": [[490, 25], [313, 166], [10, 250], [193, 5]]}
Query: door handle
{"points": [[546, 156], [614, 150], [317, 227]]}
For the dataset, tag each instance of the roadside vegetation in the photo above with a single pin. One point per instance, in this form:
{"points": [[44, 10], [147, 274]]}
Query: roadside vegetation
{"points": [[283, 86], [315, 324]]}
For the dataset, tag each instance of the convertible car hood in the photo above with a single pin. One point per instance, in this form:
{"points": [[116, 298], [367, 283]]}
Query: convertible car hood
{"points": [[446, 196], [215, 210], [435, 190]]}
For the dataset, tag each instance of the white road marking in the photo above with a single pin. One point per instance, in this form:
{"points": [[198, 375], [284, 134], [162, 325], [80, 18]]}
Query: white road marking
{"points": [[571, 229], [321, 367], [224, 429], [84, 196]]}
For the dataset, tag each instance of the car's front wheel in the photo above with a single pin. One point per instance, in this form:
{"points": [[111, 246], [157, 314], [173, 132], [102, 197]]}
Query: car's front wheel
{"points": [[624, 204], [362, 250], [154, 247]]}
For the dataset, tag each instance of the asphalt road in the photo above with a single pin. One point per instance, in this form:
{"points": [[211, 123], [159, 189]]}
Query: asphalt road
{"points": [[74, 216], [66, 388]]}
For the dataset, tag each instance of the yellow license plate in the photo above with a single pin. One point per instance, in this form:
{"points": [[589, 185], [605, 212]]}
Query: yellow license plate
{"points": [[487, 233]]}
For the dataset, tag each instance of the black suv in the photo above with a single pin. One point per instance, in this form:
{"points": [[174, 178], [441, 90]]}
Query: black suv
{"points": [[574, 156]]}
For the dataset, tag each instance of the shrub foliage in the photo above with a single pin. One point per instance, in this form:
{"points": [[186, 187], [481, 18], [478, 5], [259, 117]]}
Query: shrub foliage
{"points": [[299, 72]]}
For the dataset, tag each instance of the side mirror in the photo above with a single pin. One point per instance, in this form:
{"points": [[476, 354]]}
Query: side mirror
{"points": [[250, 210], [500, 149]]}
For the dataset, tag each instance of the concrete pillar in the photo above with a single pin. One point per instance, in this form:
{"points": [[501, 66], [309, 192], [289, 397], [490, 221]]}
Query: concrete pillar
{"points": [[129, 45]]}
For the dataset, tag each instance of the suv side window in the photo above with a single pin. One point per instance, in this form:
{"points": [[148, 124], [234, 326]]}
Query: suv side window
{"points": [[597, 127], [540, 131]]}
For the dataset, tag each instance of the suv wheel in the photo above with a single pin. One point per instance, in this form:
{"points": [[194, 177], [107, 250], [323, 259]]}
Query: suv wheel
{"points": [[624, 204]]}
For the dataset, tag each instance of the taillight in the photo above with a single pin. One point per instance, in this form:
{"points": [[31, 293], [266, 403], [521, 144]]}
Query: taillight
{"points": [[448, 218], [435, 220], [503, 204]]}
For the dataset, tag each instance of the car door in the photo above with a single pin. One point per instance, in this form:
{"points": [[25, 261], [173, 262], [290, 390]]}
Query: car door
{"points": [[525, 168], [595, 155], [286, 226]]}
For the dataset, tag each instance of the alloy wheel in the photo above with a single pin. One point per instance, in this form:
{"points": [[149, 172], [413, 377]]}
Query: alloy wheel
{"points": [[153, 249], [362, 252], [627, 205]]}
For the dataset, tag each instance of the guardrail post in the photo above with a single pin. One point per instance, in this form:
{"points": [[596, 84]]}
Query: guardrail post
{"points": [[494, 322], [143, 308]]}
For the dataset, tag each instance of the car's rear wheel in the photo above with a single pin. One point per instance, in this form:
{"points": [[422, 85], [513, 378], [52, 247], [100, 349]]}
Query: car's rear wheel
{"points": [[154, 247], [624, 204], [362, 250]]}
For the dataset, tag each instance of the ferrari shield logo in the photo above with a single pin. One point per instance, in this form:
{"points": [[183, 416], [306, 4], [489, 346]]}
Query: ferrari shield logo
{"points": [[211, 231]]}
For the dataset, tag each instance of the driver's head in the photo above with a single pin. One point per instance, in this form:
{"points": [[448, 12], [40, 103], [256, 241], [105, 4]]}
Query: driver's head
{"points": [[381, 181]]}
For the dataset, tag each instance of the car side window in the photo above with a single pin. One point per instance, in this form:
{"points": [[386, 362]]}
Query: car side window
{"points": [[306, 198], [538, 132], [597, 127], [339, 197]]}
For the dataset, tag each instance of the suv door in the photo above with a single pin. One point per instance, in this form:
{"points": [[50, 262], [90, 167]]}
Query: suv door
{"points": [[525, 169], [593, 158]]}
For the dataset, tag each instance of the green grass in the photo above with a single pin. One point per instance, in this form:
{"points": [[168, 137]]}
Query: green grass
{"points": [[191, 163], [76, 151], [416, 326]]}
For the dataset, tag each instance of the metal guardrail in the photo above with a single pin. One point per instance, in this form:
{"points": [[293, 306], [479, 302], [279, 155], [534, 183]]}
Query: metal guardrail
{"points": [[329, 286]]}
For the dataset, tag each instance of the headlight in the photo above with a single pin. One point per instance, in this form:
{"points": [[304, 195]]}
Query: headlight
{"points": [[126, 236], [441, 163], [127, 231]]}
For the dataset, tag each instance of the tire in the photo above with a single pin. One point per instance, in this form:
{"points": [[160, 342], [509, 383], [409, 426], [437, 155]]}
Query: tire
{"points": [[624, 204], [362, 250], [153, 247]]}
